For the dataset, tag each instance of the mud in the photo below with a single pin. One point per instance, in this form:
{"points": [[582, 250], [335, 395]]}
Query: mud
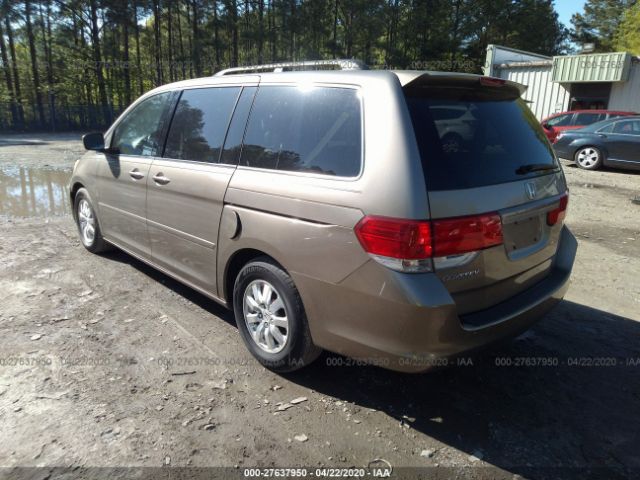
{"points": [[105, 362]]}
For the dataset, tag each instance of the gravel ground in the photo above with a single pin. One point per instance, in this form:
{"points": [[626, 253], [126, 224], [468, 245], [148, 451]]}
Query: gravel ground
{"points": [[107, 363]]}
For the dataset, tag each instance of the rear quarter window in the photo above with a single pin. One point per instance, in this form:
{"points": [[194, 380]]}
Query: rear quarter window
{"points": [[486, 145], [315, 130]]}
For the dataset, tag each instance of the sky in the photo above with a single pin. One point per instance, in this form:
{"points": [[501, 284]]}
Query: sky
{"points": [[566, 8]]}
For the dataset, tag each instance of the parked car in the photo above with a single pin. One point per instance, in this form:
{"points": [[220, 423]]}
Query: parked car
{"points": [[614, 143], [323, 209], [561, 122], [455, 124]]}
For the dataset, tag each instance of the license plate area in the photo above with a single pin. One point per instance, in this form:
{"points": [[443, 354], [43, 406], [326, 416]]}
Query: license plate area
{"points": [[522, 233], [525, 230]]}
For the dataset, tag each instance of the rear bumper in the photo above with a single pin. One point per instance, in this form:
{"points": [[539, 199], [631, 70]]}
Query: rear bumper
{"points": [[410, 323]]}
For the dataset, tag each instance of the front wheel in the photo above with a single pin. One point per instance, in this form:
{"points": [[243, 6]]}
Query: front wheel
{"points": [[271, 318], [87, 222], [589, 158]]}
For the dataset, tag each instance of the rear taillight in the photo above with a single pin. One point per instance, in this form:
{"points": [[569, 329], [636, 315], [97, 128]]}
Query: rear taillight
{"points": [[557, 214], [466, 234], [409, 245]]}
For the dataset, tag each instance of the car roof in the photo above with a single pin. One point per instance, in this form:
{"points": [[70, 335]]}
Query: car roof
{"points": [[592, 111], [603, 123], [405, 77]]}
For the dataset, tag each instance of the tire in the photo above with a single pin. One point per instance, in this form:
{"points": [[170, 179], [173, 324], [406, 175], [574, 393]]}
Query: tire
{"points": [[271, 318], [588, 158], [87, 220]]}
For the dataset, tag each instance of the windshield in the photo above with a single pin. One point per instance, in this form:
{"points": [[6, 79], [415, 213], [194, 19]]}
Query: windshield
{"points": [[485, 138]]}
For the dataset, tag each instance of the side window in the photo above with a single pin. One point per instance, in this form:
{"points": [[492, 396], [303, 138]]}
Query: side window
{"points": [[233, 142], [560, 120], [588, 118], [200, 123], [607, 129], [298, 129], [627, 127], [139, 133]]}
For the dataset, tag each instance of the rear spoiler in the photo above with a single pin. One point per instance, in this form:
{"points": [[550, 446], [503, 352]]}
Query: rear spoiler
{"points": [[414, 78]]}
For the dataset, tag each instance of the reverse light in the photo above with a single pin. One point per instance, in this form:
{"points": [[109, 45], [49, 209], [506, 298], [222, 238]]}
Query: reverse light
{"points": [[557, 214]]}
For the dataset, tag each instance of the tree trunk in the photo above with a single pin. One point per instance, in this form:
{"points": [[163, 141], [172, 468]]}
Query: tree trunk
{"points": [[97, 58], [196, 39], [260, 31], [136, 32], [335, 29], [233, 14], [157, 42], [292, 30], [216, 34], [34, 63], [125, 55], [47, 55], [272, 31], [180, 44], [172, 69], [8, 79]]}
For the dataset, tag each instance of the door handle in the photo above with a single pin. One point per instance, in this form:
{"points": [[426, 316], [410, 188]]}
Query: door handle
{"points": [[136, 174], [161, 179], [602, 135]]}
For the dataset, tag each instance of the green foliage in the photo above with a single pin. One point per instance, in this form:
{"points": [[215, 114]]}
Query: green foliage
{"points": [[599, 22], [628, 35], [143, 43]]}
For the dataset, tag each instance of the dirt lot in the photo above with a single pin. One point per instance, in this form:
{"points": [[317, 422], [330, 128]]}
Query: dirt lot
{"points": [[106, 363]]}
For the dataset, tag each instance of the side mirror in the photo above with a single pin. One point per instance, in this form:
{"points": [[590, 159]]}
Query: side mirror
{"points": [[546, 126], [93, 141]]}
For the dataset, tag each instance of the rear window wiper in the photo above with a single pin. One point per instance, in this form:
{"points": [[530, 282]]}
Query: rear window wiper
{"points": [[535, 167]]}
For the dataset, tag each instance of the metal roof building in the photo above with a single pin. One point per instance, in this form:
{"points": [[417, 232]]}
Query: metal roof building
{"points": [[555, 84]]}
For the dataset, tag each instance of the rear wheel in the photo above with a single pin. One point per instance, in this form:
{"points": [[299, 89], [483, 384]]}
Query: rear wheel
{"points": [[589, 158], [271, 318], [87, 222]]}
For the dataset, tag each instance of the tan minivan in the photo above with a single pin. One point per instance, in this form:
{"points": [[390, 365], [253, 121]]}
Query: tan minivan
{"points": [[396, 217]]}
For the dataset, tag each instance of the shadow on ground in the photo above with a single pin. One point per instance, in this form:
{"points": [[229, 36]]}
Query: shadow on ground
{"points": [[561, 401]]}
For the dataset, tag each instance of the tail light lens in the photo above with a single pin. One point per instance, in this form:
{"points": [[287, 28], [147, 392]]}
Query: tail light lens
{"points": [[466, 234], [402, 245], [410, 245], [557, 214], [410, 239]]}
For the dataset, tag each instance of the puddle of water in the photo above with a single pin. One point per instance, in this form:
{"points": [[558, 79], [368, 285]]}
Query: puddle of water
{"points": [[33, 192]]}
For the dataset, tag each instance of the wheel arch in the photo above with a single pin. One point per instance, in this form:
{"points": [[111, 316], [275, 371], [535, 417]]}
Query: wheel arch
{"points": [[72, 195], [235, 263]]}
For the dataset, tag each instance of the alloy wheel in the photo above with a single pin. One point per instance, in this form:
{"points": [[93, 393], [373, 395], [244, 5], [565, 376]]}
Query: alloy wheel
{"points": [[265, 316], [588, 157], [87, 222]]}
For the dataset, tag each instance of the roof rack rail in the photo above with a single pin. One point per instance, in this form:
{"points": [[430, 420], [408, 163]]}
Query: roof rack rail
{"points": [[344, 64]]}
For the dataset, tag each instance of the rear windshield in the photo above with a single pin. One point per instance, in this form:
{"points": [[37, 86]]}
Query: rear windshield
{"points": [[472, 137]]}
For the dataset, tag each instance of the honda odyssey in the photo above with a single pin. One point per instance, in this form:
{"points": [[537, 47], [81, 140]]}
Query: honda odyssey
{"points": [[323, 208]]}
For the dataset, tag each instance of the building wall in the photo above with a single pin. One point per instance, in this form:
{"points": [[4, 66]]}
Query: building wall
{"points": [[545, 97], [626, 95]]}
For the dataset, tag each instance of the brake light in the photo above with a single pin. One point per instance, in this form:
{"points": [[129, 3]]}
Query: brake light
{"points": [[557, 214], [390, 237], [466, 234], [492, 82], [409, 245]]}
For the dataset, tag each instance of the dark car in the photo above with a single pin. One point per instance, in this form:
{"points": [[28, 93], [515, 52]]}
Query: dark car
{"points": [[561, 122], [614, 143]]}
